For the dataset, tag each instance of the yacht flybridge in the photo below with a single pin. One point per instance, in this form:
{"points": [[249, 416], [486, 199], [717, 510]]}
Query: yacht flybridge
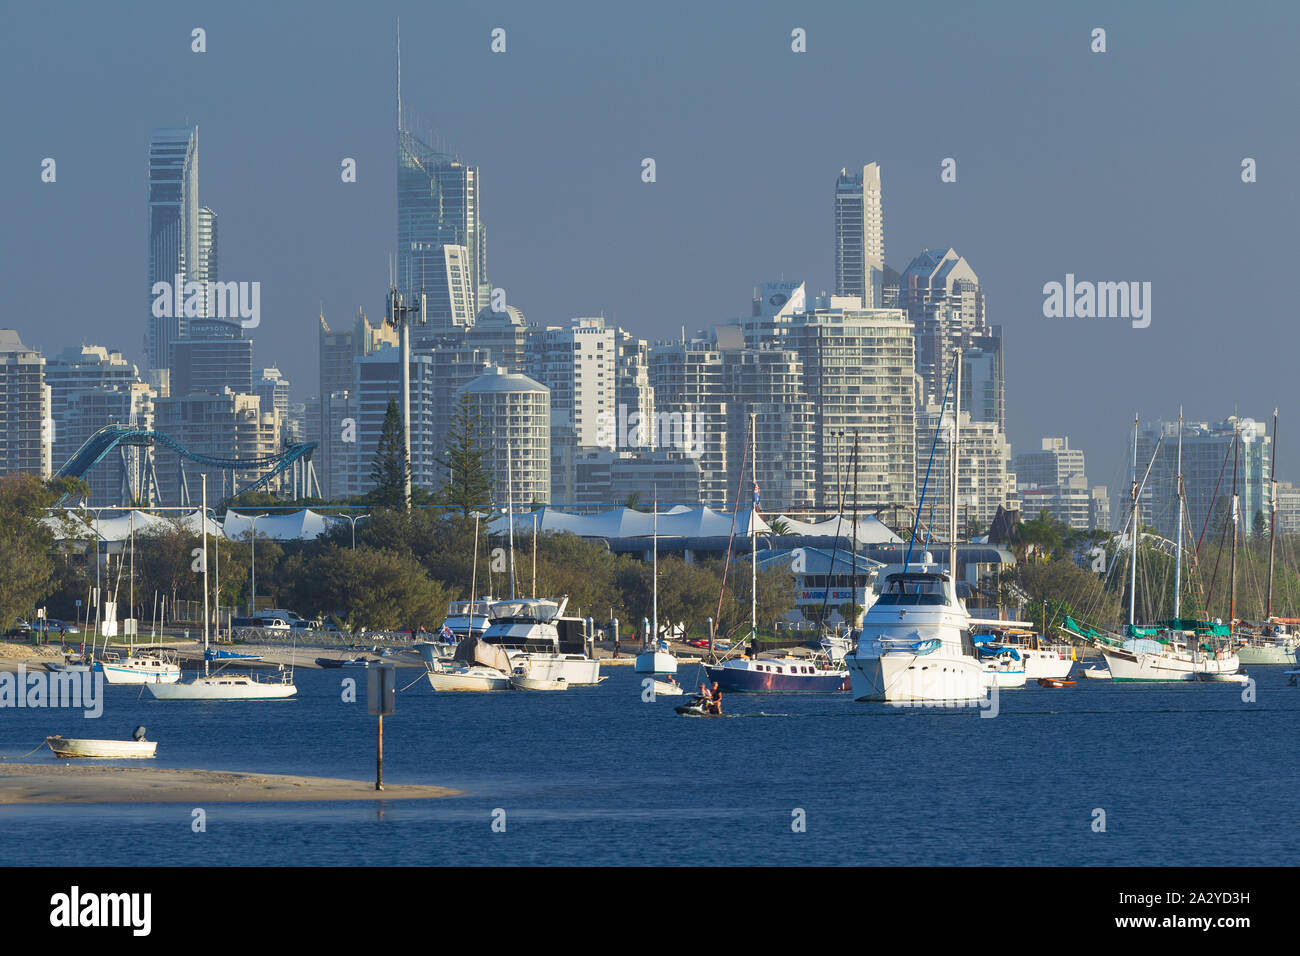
{"points": [[536, 635]]}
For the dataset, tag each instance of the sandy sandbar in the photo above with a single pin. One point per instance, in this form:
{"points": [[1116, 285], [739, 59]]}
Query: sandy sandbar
{"points": [[86, 783]]}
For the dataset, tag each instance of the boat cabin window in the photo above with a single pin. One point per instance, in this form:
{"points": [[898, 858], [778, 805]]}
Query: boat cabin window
{"points": [[541, 611], [913, 589]]}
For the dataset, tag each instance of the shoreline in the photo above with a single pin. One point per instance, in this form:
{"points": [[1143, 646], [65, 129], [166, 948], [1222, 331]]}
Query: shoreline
{"points": [[47, 785]]}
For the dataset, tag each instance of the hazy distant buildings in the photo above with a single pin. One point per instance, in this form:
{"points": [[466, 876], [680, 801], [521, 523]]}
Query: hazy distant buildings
{"points": [[212, 356], [983, 482], [333, 426], [224, 426], [25, 425], [860, 236], [692, 405], [1054, 479], [1208, 461], [944, 302], [90, 387], [174, 229]]}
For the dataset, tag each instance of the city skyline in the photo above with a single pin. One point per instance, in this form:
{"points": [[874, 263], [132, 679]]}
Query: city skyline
{"points": [[307, 238]]}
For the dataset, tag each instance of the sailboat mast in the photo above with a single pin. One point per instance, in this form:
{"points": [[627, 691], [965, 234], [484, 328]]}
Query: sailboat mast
{"points": [[510, 518], [952, 470], [1272, 518], [1178, 548], [473, 575], [203, 523], [853, 596], [1232, 591], [131, 612], [654, 574], [1133, 520], [753, 534]]}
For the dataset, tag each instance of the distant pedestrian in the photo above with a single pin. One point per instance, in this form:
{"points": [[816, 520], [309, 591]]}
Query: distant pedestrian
{"points": [[616, 647]]}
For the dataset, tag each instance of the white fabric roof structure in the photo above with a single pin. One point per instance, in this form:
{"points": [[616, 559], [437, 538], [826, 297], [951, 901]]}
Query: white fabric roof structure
{"points": [[871, 530], [282, 526], [678, 522], [117, 525]]}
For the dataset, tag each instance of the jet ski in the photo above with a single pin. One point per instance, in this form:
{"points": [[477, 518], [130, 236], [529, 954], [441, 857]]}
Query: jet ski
{"points": [[695, 707]]}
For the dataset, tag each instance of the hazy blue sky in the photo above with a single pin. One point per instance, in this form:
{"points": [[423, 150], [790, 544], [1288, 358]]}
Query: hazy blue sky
{"points": [[1117, 166]]}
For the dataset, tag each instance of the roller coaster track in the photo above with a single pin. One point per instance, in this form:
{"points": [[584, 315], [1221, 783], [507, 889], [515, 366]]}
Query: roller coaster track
{"points": [[101, 444]]}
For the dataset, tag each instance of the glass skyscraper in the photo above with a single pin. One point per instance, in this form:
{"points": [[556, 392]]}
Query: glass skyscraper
{"points": [[442, 248], [173, 228]]}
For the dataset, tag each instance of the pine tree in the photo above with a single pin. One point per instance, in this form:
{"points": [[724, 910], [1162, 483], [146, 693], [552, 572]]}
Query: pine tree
{"points": [[468, 487], [391, 468]]}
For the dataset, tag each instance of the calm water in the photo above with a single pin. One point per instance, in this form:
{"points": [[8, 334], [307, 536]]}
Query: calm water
{"points": [[1186, 775]]}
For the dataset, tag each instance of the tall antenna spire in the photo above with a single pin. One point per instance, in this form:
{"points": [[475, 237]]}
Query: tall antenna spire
{"points": [[399, 74]]}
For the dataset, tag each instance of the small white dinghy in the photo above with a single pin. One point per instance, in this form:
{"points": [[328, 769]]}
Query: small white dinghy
{"points": [[665, 688], [1097, 673], [520, 682], [137, 747]]}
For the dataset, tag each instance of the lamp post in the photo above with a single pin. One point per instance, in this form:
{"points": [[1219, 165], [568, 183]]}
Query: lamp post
{"points": [[354, 527], [252, 566]]}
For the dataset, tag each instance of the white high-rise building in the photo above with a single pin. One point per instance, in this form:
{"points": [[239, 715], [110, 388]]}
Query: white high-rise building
{"points": [[860, 379], [25, 423], [514, 420], [860, 236], [578, 364]]}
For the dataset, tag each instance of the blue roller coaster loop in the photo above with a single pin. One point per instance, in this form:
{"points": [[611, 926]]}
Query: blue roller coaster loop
{"points": [[99, 445]]}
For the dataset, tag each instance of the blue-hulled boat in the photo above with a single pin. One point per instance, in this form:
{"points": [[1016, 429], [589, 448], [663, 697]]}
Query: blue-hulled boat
{"points": [[777, 675]]}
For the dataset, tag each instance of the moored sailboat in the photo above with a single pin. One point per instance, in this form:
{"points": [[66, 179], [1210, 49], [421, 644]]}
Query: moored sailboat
{"points": [[222, 685]]}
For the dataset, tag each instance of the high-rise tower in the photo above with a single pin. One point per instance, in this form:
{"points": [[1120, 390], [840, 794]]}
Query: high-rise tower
{"points": [[174, 245], [860, 236]]}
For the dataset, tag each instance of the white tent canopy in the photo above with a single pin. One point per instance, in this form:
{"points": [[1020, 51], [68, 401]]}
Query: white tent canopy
{"points": [[290, 526], [77, 524], [678, 522], [871, 530]]}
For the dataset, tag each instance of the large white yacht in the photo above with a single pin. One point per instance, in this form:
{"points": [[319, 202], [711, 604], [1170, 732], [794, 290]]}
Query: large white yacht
{"points": [[538, 637], [915, 643]]}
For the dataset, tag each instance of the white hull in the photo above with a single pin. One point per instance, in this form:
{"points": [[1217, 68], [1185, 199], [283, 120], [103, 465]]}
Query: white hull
{"points": [[532, 683], [110, 749], [1048, 664], [573, 669], [224, 687], [1005, 678], [1097, 673], [1266, 654], [136, 670], [903, 677], [470, 679], [664, 689], [1136, 666], [655, 662]]}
